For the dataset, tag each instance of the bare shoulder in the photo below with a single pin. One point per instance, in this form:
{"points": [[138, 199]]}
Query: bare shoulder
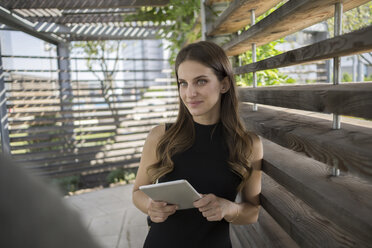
{"points": [[155, 134], [257, 151]]}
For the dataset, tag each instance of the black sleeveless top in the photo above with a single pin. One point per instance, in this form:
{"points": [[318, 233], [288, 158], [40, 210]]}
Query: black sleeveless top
{"points": [[204, 166]]}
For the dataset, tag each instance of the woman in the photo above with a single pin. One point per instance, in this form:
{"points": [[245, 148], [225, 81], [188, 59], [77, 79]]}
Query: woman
{"points": [[209, 147]]}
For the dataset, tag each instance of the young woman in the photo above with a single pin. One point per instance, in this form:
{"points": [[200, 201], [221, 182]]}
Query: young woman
{"points": [[209, 147]]}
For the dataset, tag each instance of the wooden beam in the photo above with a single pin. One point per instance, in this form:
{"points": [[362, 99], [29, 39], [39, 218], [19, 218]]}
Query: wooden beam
{"points": [[264, 233], [307, 227], [352, 99], [79, 4], [293, 16], [349, 148], [210, 2], [336, 198], [238, 15], [348, 44]]}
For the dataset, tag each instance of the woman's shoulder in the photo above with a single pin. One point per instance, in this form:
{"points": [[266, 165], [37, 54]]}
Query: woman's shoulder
{"points": [[156, 133], [256, 149]]}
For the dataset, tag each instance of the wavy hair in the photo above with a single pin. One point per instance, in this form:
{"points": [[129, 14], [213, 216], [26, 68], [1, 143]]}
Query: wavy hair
{"points": [[177, 138]]}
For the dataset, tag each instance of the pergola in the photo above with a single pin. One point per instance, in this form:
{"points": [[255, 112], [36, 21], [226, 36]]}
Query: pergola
{"points": [[61, 22]]}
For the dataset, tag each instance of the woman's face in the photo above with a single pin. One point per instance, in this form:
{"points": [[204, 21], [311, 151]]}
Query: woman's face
{"points": [[200, 91]]}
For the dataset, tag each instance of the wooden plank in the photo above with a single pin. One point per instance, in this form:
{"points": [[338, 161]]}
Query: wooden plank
{"points": [[88, 169], [264, 233], [336, 198], [349, 148], [238, 15], [210, 2], [293, 16], [348, 44], [307, 227], [352, 99]]}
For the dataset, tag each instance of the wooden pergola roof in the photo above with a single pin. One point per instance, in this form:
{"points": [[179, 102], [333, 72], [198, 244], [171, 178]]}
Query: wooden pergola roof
{"points": [[58, 21]]}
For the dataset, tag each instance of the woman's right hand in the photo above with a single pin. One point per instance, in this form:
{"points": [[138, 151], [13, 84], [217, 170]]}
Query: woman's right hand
{"points": [[159, 211]]}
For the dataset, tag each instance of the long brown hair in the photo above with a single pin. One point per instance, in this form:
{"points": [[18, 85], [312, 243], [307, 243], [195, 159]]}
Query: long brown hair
{"points": [[181, 135]]}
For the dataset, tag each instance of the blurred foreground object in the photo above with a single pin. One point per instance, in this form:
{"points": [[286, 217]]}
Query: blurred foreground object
{"points": [[33, 214]]}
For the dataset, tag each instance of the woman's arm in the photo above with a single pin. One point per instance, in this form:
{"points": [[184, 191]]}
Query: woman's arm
{"points": [[215, 208], [158, 211]]}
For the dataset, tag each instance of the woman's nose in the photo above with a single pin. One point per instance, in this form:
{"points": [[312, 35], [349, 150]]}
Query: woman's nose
{"points": [[191, 91]]}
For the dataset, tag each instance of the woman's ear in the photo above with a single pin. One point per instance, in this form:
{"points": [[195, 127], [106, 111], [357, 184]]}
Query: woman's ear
{"points": [[225, 85]]}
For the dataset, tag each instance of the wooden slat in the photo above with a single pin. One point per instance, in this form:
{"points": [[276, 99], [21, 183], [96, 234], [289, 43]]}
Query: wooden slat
{"points": [[336, 198], [86, 169], [349, 148], [293, 16], [266, 233], [348, 44], [307, 227], [238, 15], [210, 2], [352, 99]]}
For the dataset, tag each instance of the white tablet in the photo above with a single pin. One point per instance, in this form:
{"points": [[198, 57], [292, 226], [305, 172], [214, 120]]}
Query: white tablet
{"points": [[178, 192]]}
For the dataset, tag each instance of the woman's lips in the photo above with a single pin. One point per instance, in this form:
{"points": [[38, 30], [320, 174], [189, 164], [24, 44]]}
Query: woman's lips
{"points": [[194, 104]]}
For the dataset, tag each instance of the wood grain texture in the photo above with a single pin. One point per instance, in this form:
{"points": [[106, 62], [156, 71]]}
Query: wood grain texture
{"points": [[352, 99], [293, 16], [307, 227], [210, 2], [349, 148], [336, 198], [265, 233], [348, 44], [238, 15]]}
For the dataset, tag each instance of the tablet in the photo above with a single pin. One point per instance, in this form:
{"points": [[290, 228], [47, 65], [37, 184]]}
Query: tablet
{"points": [[178, 192]]}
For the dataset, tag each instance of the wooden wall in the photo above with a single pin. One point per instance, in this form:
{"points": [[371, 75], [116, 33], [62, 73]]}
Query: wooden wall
{"points": [[303, 205]]}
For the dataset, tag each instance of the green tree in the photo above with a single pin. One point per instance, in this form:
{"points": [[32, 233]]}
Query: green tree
{"points": [[267, 77], [178, 19], [97, 54]]}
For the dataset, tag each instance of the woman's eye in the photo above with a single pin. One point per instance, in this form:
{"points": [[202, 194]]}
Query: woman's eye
{"points": [[183, 84], [202, 81]]}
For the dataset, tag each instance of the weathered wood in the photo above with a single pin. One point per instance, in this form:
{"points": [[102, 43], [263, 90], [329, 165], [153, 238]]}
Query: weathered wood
{"points": [[210, 2], [265, 233], [336, 198], [307, 227], [88, 169], [349, 148], [348, 44], [352, 99], [293, 16], [238, 15], [84, 160]]}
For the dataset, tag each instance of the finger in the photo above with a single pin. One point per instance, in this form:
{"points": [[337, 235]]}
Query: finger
{"points": [[166, 209], [203, 201]]}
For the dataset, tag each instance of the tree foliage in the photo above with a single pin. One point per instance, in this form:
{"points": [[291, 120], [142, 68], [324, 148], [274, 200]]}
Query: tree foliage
{"points": [[178, 18]]}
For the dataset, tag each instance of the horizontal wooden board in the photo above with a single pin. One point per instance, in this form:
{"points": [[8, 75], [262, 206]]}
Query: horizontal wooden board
{"points": [[210, 2], [265, 233], [349, 148], [238, 15], [293, 16], [88, 169], [336, 198], [348, 44], [352, 99], [307, 227]]}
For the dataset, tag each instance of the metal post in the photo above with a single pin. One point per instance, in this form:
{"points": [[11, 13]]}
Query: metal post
{"points": [[254, 57], [337, 73], [203, 19], [4, 125], [336, 60], [66, 96]]}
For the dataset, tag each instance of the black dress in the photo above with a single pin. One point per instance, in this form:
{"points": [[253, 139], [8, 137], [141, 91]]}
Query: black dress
{"points": [[204, 166]]}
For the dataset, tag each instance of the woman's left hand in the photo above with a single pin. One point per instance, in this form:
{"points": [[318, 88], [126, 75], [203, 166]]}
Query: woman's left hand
{"points": [[212, 207]]}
